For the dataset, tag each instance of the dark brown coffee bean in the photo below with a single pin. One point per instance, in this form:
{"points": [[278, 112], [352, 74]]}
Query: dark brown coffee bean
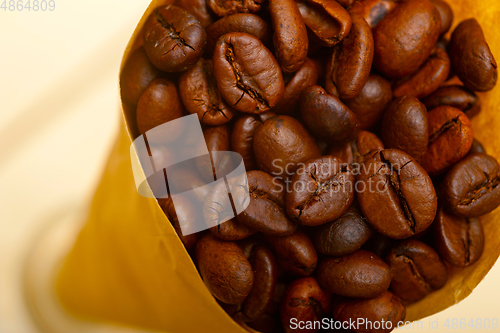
{"points": [[326, 117], [248, 76], [173, 38], [295, 253], [369, 105], [372, 10], [351, 61], [216, 140], [456, 96], [417, 270], [198, 8], [450, 138], [471, 188], [296, 83], [344, 235], [459, 241], [380, 245], [328, 20], [355, 152], [320, 191], [290, 34], [160, 103], [188, 179], [281, 144], [476, 148], [433, 73], [231, 230], [405, 37], [346, 3], [385, 308], [224, 268], [471, 57], [242, 136], [266, 211], [360, 274], [405, 127], [395, 194], [137, 73], [200, 94], [228, 7], [446, 14], [185, 209], [305, 301], [241, 22]]}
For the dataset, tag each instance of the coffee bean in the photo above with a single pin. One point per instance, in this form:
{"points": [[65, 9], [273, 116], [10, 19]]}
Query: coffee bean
{"points": [[446, 14], [372, 10], [456, 96], [198, 8], [216, 140], [228, 7], [185, 209], [356, 151], [476, 148]]}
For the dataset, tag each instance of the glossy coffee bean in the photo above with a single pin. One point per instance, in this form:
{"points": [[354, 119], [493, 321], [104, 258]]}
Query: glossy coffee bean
{"points": [[446, 14], [290, 34], [458, 240], [372, 10], [231, 230], [304, 301], [242, 136], [266, 211], [450, 138], [159, 104], [216, 140], [476, 148], [226, 271], [200, 94], [433, 73], [360, 274], [471, 57], [369, 105], [405, 127], [346, 3], [188, 179], [405, 37], [326, 117], [295, 253], [351, 61], [248, 75], [228, 7], [356, 151], [198, 8], [327, 20], [471, 188], [184, 208], [343, 235], [395, 194], [417, 270], [456, 96], [281, 144], [320, 191], [173, 38], [386, 308], [295, 84]]}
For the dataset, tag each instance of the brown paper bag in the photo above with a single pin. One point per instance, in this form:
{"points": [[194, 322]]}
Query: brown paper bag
{"points": [[128, 266]]}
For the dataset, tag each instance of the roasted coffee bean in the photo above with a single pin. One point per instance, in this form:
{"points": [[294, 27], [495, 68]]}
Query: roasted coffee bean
{"points": [[266, 211], [380, 245], [476, 148], [456, 96], [224, 268], [248, 75], [355, 152], [450, 138], [326, 117], [281, 144], [471, 57], [344, 235], [241, 22], [296, 83], [417, 270], [200, 94], [433, 73], [346, 3], [351, 61], [305, 301], [395, 194], [360, 274], [290, 34], [160, 103], [137, 73], [216, 140], [372, 10], [369, 105], [173, 38], [405, 127], [295, 253], [459, 241], [405, 37], [188, 179], [198, 8], [231, 230], [386, 308], [320, 191], [184, 210], [242, 136], [471, 188], [446, 14], [328, 20], [264, 283], [228, 7]]}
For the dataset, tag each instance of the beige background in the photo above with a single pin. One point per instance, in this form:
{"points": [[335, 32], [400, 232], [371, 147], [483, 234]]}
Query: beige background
{"points": [[58, 118]]}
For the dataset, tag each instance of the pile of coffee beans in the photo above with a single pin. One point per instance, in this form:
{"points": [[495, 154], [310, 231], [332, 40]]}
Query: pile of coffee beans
{"points": [[353, 120]]}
